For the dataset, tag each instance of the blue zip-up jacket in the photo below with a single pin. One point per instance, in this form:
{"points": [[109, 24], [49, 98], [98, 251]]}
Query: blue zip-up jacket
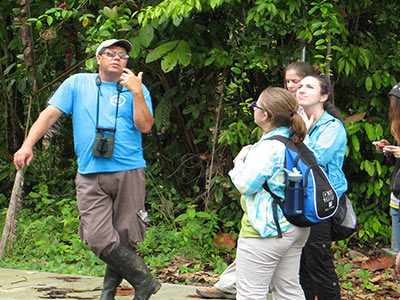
{"points": [[327, 139]]}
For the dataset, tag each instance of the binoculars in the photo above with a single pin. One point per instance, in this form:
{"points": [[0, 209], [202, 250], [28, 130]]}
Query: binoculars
{"points": [[103, 145]]}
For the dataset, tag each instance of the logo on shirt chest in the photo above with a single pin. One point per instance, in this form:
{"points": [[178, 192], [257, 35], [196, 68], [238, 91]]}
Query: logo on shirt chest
{"points": [[114, 100]]}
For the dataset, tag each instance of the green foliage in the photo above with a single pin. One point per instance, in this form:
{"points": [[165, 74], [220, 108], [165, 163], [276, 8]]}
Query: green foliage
{"points": [[192, 238], [48, 240], [198, 228], [372, 208], [204, 61], [347, 285], [343, 270], [367, 284]]}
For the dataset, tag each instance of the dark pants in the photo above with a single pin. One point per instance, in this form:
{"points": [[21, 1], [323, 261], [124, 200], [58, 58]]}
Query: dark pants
{"points": [[317, 271], [108, 209]]}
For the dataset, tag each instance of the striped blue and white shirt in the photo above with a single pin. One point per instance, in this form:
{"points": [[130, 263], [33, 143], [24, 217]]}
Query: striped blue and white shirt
{"points": [[264, 162]]}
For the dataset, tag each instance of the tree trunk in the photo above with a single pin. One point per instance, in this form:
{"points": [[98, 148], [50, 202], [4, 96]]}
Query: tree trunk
{"points": [[13, 208], [25, 35]]}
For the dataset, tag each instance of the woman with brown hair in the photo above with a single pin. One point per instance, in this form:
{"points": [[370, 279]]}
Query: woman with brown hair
{"points": [[225, 288], [327, 138], [295, 72], [393, 154], [262, 258]]}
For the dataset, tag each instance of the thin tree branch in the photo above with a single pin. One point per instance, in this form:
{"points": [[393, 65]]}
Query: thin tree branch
{"points": [[220, 91]]}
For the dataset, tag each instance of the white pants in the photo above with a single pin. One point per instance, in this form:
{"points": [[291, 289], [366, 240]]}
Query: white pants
{"points": [[227, 280], [261, 262]]}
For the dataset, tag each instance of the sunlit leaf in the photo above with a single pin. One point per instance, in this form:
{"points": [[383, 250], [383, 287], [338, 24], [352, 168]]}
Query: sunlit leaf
{"points": [[355, 142], [181, 217], [192, 213], [166, 47], [319, 32], [85, 22], [368, 83], [177, 20], [39, 25], [169, 61], [370, 168], [370, 130], [9, 68], [109, 12], [153, 55]]}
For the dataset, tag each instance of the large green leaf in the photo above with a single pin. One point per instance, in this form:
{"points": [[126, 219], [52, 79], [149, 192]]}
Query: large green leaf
{"points": [[368, 83], [369, 128], [135, 47], [356, 142], [370, 168], [166, 47], [184, 54], [110, 13], [146, 35], [169, 61], [153, 55], [162, 114]]}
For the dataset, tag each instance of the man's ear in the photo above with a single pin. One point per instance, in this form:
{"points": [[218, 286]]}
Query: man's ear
{"points": [[98, 59]]}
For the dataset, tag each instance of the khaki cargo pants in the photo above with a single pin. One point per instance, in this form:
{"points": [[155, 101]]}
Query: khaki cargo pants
{"points": [[108, 206]]}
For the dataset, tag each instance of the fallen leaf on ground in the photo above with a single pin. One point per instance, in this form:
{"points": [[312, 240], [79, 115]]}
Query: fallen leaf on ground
{"points": [[392, 293], [380, 262]]}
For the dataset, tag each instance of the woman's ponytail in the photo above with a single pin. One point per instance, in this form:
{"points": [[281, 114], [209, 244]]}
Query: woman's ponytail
{"points": [[299, 128], [282, 107]]}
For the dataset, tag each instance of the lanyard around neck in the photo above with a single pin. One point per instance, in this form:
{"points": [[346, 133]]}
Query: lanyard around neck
{"points": [[119, 89]]}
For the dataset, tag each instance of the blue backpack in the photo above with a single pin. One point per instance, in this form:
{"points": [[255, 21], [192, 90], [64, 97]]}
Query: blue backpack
{"points": [[309, 195]]}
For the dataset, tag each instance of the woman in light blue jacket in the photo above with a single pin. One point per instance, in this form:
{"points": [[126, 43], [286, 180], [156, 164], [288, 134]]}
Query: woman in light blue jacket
{"points": [[327, 138]]}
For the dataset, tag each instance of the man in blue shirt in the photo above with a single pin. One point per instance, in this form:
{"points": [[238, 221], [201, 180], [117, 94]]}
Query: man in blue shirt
{"points": [[110, 110]]}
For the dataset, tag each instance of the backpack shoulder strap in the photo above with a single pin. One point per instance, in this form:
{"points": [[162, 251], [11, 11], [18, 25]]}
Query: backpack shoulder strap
{"points": [[289, 144], [277, 201], [286, 141], [280, 138], [306, 154]]}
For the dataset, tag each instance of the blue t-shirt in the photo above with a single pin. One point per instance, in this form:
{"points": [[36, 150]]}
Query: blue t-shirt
{"points": [[78, 95]]}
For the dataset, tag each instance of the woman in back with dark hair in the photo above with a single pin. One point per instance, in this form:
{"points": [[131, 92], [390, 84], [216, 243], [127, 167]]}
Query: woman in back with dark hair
{"points": [[327, 138], [392, 152], [295, 72]]}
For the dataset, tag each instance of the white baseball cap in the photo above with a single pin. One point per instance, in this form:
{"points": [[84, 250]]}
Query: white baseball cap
{"points": [[108, 43], [395, 91]]}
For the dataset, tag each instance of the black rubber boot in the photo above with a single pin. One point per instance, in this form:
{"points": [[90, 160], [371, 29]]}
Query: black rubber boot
{"points": [[110, 284], [132, 267]]}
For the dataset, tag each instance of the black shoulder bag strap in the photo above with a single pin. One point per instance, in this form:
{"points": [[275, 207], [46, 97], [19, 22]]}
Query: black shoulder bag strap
{"points": [[277, 201]]}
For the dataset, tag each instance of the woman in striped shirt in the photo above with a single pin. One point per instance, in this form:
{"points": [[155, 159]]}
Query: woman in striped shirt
{"points": [[263, 258]]}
